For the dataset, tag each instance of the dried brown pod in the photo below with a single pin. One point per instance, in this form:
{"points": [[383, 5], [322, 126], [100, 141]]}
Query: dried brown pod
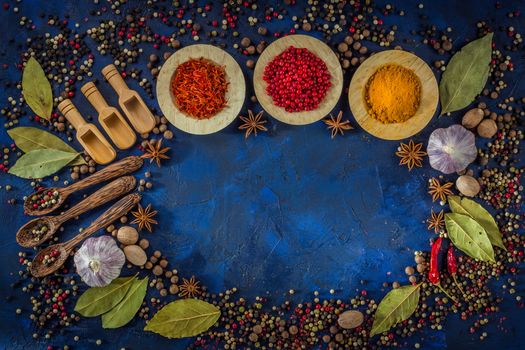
{"points": [[487, 128], [472, 118], [468, 185]]}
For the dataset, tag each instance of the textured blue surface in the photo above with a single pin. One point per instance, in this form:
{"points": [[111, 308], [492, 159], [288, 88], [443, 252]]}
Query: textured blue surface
{"points": [[288, 209]]}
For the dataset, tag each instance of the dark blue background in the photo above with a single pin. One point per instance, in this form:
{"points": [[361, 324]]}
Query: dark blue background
{"points": [[288, 209]]}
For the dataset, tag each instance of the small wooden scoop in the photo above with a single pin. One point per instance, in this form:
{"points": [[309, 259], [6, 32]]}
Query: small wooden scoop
{"points": [[88, 135], [130, 101], [61, 251], [110, 118], [115, 189], [122, 167]]}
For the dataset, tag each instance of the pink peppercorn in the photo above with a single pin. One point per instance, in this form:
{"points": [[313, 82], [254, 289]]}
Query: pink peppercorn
{"points": [[297, 80]]}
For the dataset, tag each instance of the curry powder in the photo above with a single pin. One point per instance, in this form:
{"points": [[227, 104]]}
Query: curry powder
{"points": [[393, 94]]}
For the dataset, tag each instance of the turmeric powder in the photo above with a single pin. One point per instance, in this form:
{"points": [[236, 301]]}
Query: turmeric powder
{"points": [[393, 94]]}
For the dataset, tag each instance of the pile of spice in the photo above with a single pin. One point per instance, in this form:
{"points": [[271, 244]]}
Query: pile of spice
{"points": [[297, 80], [37, 232], [393, 94], [43, 199], [199, 88]]}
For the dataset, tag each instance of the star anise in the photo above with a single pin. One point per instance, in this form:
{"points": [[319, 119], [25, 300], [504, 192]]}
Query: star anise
{"points": [[336, 125], [144, 217], [436, 221], [189, 288], [439, 191], [154, 152], [252, 123], [411, 154]]}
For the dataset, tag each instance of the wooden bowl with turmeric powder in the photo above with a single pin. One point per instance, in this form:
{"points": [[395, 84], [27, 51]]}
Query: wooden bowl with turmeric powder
{"points": [[201, 89], [393, 95]]}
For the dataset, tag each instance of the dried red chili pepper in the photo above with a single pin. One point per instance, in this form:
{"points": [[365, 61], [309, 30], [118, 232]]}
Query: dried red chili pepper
{"points": [[433, 273], [452, 267]]}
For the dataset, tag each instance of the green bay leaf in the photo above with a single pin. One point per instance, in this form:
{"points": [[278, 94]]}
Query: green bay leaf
{"points": [[184, 318], [124, 312], [398, 305], [29, 139], [466, 75], [470, 208], [37, 89], [41, 162], [469, 236], [97, 301]]}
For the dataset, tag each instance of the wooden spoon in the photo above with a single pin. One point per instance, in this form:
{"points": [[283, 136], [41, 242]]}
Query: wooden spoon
{"points": [[115, 189], [61, 251], [122, 167]]}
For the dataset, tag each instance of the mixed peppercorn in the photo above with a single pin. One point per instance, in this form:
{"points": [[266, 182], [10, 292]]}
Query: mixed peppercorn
{"points": [[67, 59]]}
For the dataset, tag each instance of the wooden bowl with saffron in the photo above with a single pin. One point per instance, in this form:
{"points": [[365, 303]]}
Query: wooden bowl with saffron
{"points": [[322, 51], [235, 92], [428, 96]]}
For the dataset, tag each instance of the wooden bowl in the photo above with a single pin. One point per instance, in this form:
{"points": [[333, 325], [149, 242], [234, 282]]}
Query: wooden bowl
{"points": [[322, 51], [235, 94], [427, 106]]}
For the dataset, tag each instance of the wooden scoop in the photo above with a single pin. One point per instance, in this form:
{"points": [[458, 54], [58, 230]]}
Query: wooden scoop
{"points": [[115, 189], [88, 135], [110, 118], [122, 167], [130, 101], [61, 251]]}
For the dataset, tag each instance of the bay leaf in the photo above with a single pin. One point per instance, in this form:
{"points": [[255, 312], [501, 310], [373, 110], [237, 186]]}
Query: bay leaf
{"points": [[184, 318], [41, 162], [37, 89], [398, 305], [469, 236], [470, 208], [99, 300], [466, 74], [29, 139], [124, 312]]}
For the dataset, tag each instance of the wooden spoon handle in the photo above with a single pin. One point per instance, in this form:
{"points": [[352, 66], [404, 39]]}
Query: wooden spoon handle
{"points": [[115, 212], [111, 191], [122, 167]]}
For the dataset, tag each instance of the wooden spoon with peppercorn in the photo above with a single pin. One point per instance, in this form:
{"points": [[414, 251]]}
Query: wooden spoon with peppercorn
{"points": [[50, 259], [47, 200], [39, 230]]}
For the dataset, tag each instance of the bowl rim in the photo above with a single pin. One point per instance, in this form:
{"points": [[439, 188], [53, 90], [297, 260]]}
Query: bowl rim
{"points": [[427, 106], [321, 50], [235, 94]]}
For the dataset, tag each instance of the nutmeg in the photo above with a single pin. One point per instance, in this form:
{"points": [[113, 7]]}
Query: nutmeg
{"points": [[487, 128], [472, 118], [468, 185], [135, 255], [127, 235], [350, 319]]}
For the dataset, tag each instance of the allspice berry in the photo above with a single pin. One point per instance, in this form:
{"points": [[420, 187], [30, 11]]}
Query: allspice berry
{"points": [[245, 42], [468, 185], [157, 270], [487, 128], [472, 118], [127, 235], [144, 243]]}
